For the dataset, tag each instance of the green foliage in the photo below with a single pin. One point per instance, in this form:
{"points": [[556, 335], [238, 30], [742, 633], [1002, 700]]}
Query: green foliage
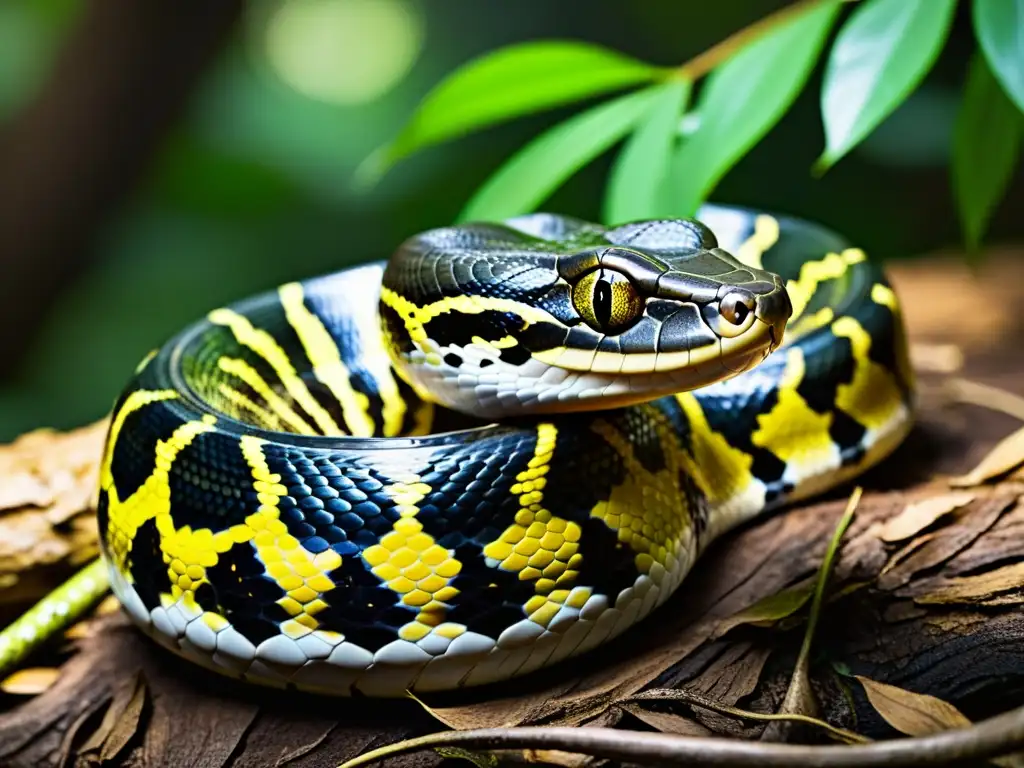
{"points": [[636, 186], [743, 99], [672, 159], [514, 81], [999, 25], [986, 143], [880, 56], [526, 179]]}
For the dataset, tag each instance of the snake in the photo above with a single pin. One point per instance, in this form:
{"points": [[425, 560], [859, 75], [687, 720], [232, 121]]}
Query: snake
{"points": [[496, 450]]}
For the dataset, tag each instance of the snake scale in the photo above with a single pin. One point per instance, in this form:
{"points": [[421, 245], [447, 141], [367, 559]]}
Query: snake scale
{"points": [[501, 448]]}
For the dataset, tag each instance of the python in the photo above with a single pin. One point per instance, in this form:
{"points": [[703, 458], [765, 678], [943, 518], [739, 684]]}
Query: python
{"points": [[499, 449]]}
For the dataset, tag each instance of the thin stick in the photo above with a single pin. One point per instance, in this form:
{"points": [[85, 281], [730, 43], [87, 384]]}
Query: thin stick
{"points": [[57, 610]]}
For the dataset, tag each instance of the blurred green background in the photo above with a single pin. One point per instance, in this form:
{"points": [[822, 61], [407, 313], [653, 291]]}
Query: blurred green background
{"points": [[252, 185]]}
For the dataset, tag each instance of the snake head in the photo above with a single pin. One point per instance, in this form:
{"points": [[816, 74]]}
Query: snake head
{"points": [[659, 309], [586, 318]]}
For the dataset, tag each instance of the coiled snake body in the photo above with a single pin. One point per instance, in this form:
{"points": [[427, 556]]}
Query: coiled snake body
{"points": [[503, 448]]}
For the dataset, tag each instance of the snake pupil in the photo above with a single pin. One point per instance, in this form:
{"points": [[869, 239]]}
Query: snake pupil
{"points": [[603, 302]]}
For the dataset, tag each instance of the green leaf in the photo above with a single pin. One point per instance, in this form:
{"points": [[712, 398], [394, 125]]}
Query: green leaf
{"points": [[986, 142], [743, 99], [539, 168], [636, 185], [879, 57], [513, 81], [769, 610], [999, 26]]}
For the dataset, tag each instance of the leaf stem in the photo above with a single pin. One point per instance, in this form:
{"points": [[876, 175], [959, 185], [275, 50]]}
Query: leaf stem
{"points": [[825, 572], [703, 63]]}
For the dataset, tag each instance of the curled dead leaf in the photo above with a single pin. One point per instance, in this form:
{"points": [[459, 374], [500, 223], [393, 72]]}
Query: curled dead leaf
{"points": [[919, 515], [1006, 456], [980, 588], [914, 714], [31, 681], [987, 396]]}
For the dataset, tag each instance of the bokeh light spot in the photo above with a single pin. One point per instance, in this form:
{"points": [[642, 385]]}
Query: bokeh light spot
{"points": [[343, 51]]}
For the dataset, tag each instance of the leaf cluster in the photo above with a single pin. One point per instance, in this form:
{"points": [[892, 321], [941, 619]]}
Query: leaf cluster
{"points": [[681, 129]]}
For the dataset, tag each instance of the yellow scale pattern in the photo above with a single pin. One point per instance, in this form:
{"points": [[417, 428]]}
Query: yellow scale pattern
{"points": [[263, 344], [792, 430], [539, 546], [410, 562], [188, 553], [249, 375], [648, 510], [152, 499], [813, 273], [416, 317], [327, 365], [243, 402], [301, 574], [719, 470], [765, 235]]}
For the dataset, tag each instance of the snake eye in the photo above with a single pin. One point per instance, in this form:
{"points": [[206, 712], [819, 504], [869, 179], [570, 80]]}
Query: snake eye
{"points": [[607, 301], [736, 313]]}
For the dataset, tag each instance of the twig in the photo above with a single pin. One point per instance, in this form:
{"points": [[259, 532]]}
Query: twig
{"points": [[61, 607], [695, 699], [997, 736], [703, 63]]}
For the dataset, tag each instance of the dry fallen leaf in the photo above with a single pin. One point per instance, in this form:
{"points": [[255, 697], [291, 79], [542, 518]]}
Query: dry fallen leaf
{"points": [[915, 714], [1006, 456], [936, 547], [30, 681], [120, 721], [981, 588], [921, 514]]}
